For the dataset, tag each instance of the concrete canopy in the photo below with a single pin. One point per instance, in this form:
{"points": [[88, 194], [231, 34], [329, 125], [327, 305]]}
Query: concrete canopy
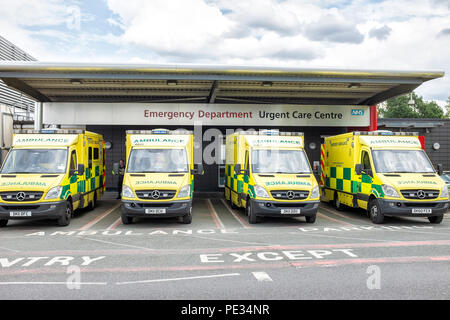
{"points": [[95, 82]]}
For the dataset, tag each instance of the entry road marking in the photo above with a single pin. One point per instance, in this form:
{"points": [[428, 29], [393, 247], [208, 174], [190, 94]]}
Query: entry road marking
{"points": [[214, 215], [262, 276], [236, 216], [178, 279], [100, 217]]}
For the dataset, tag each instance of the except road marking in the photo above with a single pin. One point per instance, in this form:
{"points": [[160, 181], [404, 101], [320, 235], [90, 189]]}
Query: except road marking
{"points": [[98, 218], [214, 215], [178, 279], [262, 276], [236, 216]]}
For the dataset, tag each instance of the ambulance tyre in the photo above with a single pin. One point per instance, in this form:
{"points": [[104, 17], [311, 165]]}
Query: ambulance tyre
{"points": [[187, 218], [64, 220], [252, 217], [336, 203], [126, 219], [3, 223], [310, 219], [436, 219], [375, 213]]}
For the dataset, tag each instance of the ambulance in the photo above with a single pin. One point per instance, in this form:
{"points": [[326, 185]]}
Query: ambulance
{"points": [[268, 174], [159, 175], [48, 174], [384, 173]]}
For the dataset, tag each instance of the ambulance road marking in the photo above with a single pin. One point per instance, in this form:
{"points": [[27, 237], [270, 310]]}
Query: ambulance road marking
{"points": [[178, 279], [334, 220], [115, 224], [100, 217], [262, 276], [214, 214], [236, 215]]}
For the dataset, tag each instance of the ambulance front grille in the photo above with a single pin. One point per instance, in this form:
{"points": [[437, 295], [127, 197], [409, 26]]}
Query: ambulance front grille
{"points": [[20, 196], [289, 194], [420, 194], [155, 194]]}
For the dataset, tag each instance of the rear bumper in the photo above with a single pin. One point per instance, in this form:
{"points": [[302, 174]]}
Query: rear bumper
{"points": [[41, 210], [405, 208], [173, 208], [273, 208]]}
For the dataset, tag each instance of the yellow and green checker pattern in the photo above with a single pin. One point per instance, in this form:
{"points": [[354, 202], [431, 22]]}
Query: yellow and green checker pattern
{"points": [[93, 179], [241, 184]]}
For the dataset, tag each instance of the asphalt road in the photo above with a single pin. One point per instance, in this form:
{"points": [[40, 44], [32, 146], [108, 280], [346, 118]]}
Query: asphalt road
{"points": [[220, 256]]}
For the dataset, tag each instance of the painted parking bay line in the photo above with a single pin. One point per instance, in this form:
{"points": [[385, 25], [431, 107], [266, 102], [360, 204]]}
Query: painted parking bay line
{"points": [[99, 218], [214, 215], [179, 279], [236, 215], [261, 276]]}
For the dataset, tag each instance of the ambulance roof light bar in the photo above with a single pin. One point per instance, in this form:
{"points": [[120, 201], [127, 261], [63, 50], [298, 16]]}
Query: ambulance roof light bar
{"points": [[161, 131], [49, 131], [384, 133], [269, 132]]}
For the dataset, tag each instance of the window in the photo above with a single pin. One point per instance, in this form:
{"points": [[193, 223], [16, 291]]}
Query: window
{"points": [[73, 160], [36, 161], [365, 161], [95, 153], [90, 158]]}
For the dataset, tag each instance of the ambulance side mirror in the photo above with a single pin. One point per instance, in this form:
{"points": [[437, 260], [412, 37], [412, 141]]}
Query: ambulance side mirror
{"points": [[115, 168], [198, 169], [440, 169], [80, 169], [358, 169]]}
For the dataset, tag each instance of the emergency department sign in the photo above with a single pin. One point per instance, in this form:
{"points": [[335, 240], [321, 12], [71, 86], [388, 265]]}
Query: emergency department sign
{"points": [[206, 114]]}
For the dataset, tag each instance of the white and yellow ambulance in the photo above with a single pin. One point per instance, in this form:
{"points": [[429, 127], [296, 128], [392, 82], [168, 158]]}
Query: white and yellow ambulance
{"points": [[50, 173], [159, 175], [384, 173], [268, 174]]}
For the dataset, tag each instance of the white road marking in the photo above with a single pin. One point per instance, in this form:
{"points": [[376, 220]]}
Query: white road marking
{"points": [[116, 243], [8, 249], [178, 279], [54, 283], [228, 240], [213, 211], [99, 218], [114, 224], [262, 276], [233, 214]]}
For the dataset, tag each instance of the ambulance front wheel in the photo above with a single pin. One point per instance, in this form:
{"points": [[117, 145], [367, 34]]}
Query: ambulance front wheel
{"points": [[126, 219], [375, 213], [310, 219], [187, 218], [3, 223], [252, 217], [64, 220], [436, 219]]}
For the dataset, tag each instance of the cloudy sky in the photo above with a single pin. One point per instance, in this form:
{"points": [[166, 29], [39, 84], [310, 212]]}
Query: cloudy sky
{"points": [[369, 34]]}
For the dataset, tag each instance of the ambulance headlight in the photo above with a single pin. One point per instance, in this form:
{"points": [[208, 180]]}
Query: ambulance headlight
{"points": [[389, 191], [261, 192], [53, 193], [444, 192], [314, 192], [127, 192], [184, 192]]}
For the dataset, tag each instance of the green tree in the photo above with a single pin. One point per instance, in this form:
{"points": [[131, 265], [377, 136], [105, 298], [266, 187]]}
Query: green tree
{"points": [[398, 108], [447, 107]]}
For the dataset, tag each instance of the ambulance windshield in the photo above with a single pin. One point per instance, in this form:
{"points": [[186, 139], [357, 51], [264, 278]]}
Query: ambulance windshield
{"points": [[36, 161], [279, 161], [401, 161], [158, 160]]}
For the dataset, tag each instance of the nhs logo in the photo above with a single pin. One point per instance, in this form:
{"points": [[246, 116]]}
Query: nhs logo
{"points": [[357, 112]]}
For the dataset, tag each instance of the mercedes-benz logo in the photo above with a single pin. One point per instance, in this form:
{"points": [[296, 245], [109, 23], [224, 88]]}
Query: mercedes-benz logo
{"points": [[290, 195], [421, 194], [155, 194], [20, 196]]}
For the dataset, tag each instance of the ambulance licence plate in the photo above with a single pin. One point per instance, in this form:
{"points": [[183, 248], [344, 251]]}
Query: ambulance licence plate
{"points": [[20, 213], [419, 210], [290, 211], [155, 211]]}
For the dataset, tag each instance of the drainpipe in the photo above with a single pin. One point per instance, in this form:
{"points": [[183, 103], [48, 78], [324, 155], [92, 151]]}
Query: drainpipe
{"points": [[38, 116]]}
